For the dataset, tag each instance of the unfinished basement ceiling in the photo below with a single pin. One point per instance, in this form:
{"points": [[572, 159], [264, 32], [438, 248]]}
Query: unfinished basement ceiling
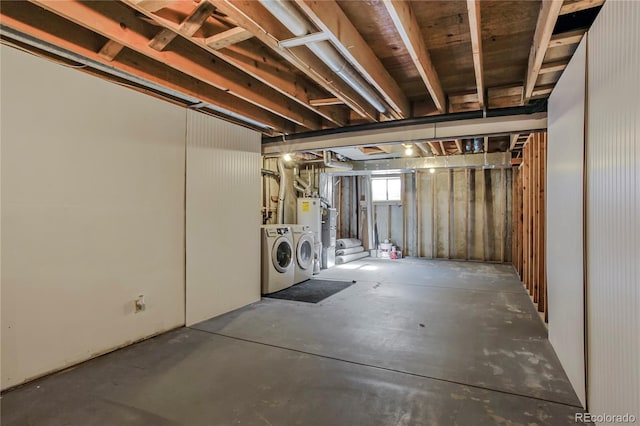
{"points": [[271, 65]]}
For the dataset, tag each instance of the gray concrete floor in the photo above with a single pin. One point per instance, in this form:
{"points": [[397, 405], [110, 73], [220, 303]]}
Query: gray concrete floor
{"points": [[413, 342]]}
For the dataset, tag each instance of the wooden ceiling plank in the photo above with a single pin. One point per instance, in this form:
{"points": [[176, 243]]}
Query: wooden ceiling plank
{"points": [[110, 50], [564, 39], [282, 81], [547, 18], [249, 15], [227, 38], [60, 32], [188, 27], [473, 8], [330, 19], [553, 67], [408, 28], [459, 145], [464, 98], [122, 29], [578, 5]]}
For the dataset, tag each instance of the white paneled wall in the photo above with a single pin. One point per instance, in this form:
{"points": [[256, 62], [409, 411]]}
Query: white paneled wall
{"points": [[223, 217], [92, 216], [565, 224], [613, 210]]}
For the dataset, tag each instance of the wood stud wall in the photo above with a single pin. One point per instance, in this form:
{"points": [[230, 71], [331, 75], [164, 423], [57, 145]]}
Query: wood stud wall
{"points": [[529, 219]]}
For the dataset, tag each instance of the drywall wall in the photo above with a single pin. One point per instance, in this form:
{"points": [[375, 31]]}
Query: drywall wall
{"points": [[565, 207], [613, 210], [223, 217], [92, 216]]}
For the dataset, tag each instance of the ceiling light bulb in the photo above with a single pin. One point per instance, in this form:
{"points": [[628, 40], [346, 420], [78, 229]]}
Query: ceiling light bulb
{"points": [[287, 157], [408, 151], [432, 170]]}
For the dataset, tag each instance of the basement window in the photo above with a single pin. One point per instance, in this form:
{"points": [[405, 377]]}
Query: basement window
{"points": [[386, 189]]}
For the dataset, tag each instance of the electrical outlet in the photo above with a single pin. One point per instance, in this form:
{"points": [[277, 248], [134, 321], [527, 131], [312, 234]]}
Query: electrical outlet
{"points": [[139, 303]]}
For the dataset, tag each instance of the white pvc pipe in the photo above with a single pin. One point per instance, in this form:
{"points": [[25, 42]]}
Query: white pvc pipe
{"points": [[297, 24]]}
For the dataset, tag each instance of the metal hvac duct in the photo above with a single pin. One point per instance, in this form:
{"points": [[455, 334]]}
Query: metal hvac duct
{"points": [[289, 16], [328, 162]]}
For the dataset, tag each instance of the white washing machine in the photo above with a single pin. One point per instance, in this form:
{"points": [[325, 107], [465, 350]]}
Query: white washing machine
{"points": [[303, 243], [278, 258]]}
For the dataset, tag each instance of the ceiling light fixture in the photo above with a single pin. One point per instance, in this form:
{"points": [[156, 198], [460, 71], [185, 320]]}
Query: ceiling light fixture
{"points": [[408, 151], [432, 170], [286, 157]]}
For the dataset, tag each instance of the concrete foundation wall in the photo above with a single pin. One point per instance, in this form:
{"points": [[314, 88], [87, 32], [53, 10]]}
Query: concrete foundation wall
{"points": [[450, 214]]}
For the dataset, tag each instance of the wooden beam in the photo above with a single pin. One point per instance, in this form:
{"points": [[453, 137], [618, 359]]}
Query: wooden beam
{"points": [[542, 90], [326, 102], [252, 16], [110, 50], [154, 5], [459, 146], [564, 39], [408, 28], [162, 39], [486, 144], [444, 151], [553, 67], [547, 18], [121, 24], [571, 6], [227, 38], [434, 150], [514, 140], [188, 27], [55, 30], [258, 65], [330, 19], [473, 8]]}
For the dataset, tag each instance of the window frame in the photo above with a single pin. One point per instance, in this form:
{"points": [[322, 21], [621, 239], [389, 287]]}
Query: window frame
{"points": [[387, 178]]}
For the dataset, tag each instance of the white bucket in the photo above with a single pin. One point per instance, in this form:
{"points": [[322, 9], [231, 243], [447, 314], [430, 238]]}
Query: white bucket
{"points": [[384, 250]]}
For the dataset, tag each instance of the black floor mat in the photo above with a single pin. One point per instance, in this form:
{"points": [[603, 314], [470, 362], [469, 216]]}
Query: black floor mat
{"points": [[311, 291]]}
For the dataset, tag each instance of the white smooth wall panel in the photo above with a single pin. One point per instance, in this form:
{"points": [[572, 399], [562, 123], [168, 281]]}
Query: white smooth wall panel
{"points": [[92, 216], [565, 204], [613, 210], [223, 217]]}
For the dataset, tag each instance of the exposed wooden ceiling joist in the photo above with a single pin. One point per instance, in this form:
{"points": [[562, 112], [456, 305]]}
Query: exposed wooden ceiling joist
{"points": [[564, 39], [409, 30], [514, 140], [553, 67], [473, 8], [188, 27], [110, 50], [572, 6], [59, 32], [459, 146], [121, 25], [331, 20], [549, 11], [435, 150], [227, 38], [282, 81], [252, 16]]}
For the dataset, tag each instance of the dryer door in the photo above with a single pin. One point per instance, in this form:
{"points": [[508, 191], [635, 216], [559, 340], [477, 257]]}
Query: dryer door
{"points": [[282, 254], [304, 251]]}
